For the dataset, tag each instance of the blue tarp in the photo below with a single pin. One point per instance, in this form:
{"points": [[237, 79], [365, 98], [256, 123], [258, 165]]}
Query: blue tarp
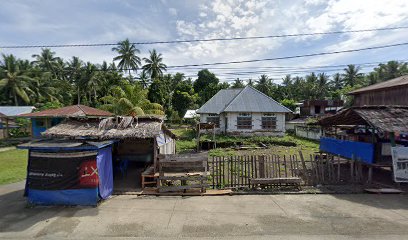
{"points": [[85, 197], [80, 196], [104, 163], [348, 149]]}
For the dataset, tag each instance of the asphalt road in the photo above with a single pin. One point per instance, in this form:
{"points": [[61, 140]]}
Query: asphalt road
{"points": [[361, 216]]}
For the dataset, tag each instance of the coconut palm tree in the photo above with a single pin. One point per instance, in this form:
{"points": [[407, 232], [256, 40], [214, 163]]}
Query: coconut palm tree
{"points": [[74, 74], [13, 81], [46, 60], [154, 65], [264, 84], [352, 75], [337, 82], [144, 79], [128, 60]]}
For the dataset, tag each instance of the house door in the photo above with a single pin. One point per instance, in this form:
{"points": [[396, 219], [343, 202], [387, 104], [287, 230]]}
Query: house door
{"points": [[226, 124]]}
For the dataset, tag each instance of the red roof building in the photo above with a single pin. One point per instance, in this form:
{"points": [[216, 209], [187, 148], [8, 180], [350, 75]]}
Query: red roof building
{"points": [[41, 121], [70, 111]]}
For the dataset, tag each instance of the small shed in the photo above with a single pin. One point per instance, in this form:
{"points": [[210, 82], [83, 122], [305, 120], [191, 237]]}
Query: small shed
{"points": [[139, 141], [68, 172], [41, 121], [366, 132]]}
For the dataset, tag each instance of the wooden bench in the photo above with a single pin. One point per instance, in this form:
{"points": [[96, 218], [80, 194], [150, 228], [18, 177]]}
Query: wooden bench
{"points": [[182, 168], [295, 181], [147, 176]]}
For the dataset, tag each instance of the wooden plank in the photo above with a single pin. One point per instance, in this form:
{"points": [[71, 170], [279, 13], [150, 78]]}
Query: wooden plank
{"points": [[183, 178], [289, 180], [262, 166], [178, 188]]}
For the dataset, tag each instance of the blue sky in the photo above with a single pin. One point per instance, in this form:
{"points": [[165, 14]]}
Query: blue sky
{"points": [[97, 21]]}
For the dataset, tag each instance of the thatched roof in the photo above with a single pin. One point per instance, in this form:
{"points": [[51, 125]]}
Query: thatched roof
{"points": [[111, 128], [383, 118]]}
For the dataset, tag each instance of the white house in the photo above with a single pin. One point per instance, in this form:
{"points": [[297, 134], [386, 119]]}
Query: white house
{"points": [[244, 111]]}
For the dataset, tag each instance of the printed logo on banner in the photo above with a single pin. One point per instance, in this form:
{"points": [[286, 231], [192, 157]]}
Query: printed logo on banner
{"points": [[88, 174]]}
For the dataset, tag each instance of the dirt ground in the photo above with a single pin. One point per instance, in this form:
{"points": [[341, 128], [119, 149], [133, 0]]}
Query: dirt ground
{"points": [[306, 216]]}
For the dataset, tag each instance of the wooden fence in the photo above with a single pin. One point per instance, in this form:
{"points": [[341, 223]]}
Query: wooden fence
{"points": [[236, 171]]}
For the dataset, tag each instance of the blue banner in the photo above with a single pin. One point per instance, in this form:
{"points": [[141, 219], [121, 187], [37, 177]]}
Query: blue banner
{"points": [[348, 149]]}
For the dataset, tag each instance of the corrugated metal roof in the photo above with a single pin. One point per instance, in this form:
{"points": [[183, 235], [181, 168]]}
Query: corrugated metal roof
{"points": [[70, 111], [399, 81], [219, 101], [191, 114], [246, 99], [252, 100], [11, 111]]}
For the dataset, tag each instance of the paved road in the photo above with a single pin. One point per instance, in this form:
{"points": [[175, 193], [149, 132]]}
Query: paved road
{"points": [[287, 217]]}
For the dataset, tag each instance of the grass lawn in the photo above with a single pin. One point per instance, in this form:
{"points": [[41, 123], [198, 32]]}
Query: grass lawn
{"points": [[13, 166], [286, 145]]}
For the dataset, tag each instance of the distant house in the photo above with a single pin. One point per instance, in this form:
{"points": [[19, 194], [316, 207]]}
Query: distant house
{"points": [[190, 114], [7, 118], [244, 111], [41, 121], [391, 92], [319, 107]]}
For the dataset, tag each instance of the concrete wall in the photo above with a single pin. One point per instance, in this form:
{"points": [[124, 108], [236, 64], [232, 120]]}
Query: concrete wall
{"points": [[231, 120], [313, 133]]}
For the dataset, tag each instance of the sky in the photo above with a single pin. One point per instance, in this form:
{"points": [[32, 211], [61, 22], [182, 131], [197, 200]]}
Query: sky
{"points": [[49, 22]]}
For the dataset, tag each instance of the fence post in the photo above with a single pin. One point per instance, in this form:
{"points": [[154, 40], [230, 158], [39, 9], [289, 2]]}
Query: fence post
{"points": [[262, 166], [352, 168]]}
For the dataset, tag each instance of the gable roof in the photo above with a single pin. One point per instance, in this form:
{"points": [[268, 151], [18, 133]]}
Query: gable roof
{"points": [[11, 111], [219, 101], [396, 82], [70, 111], [246, 99]]}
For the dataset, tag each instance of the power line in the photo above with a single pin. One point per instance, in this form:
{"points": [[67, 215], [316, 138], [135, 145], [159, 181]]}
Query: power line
{"points": [[290, 57], [206, 40]]}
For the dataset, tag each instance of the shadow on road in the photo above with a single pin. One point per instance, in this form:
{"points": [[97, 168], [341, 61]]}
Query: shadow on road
{"points": [[16, 215]]}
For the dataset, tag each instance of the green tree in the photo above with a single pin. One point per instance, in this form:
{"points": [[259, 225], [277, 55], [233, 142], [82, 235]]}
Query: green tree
{"points": [[154, 66], [46, 60], [351, 75], [264, 84], [128, 59], [13, 82], [184, 97], [238, 84]]}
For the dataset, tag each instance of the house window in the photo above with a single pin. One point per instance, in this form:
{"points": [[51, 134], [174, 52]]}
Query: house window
{"points": [[268, 121], [214, 118], [244, 121], [40, 122]]}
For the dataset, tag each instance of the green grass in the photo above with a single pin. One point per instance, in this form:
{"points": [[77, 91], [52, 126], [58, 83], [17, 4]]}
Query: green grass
{"points": [[13, 166], [289, 144]]}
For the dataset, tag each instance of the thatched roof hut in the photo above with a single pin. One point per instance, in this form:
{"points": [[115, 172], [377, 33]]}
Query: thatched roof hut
{"points": [[110, 128]]}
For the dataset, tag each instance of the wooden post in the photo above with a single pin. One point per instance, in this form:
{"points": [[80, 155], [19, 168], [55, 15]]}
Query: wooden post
{"points": [[7, 128], [338, 169], [262, 166], [215, 143], [370, 174], [198, 137], [302, 159], [352, 168], [392, 139]]}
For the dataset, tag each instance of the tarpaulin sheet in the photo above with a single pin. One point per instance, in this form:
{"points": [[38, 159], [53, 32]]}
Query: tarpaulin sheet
{"points": [[68, 178], [85, 197], [163, 139], [104, 163], [348, 149]]}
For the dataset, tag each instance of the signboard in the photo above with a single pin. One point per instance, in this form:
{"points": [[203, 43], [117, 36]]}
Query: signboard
{"points": [[400, 163], [62, 170]]}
